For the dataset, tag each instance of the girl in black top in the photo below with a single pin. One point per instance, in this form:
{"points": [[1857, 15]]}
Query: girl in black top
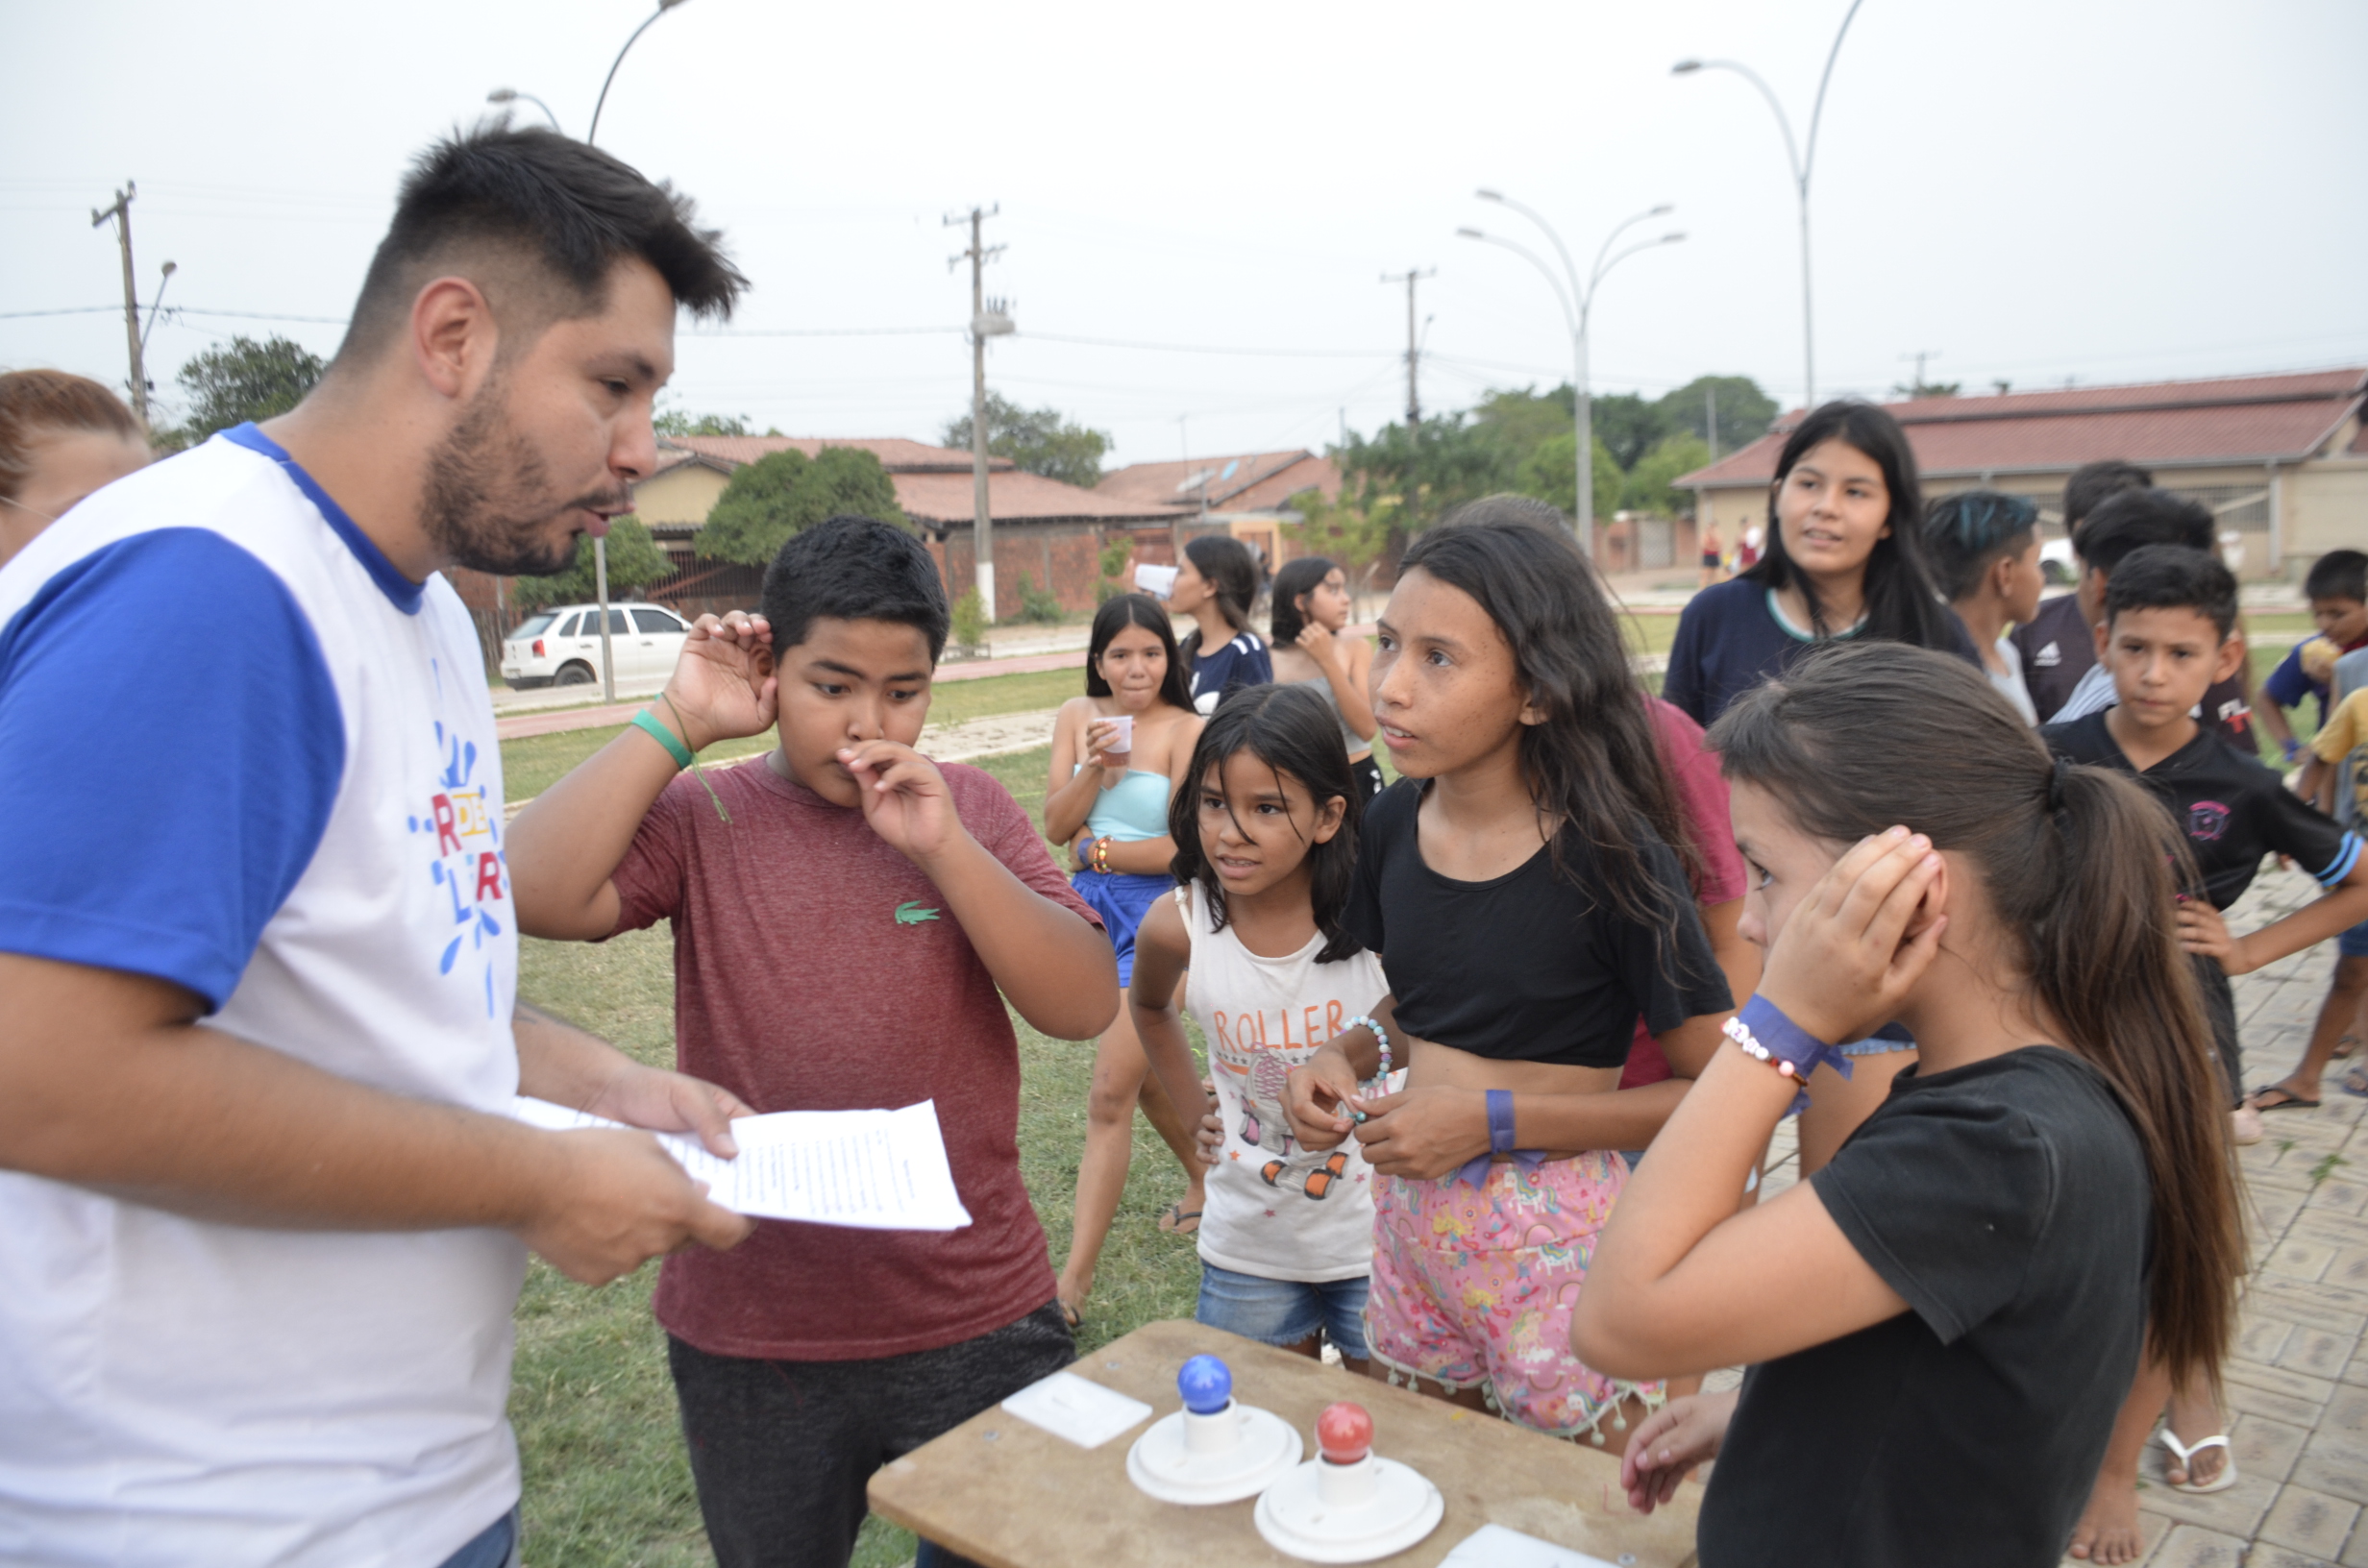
{"points": [[1525, 885], [1945, 1318]]}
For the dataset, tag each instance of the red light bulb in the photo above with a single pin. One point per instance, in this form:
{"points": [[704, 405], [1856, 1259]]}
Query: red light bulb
{"points": [[1344, 1432]]}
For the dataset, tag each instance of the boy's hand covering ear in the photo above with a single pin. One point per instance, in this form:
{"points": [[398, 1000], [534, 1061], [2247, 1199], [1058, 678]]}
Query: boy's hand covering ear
{"points": [[904, 799], [724, 684]]}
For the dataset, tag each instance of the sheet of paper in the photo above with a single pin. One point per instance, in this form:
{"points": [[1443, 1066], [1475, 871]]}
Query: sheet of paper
{"points": [[1494, 1546], [880, 1170], [1077, 1409]]}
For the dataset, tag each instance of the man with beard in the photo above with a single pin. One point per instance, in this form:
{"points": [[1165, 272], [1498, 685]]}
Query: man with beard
{"points": [[266, 1218]]}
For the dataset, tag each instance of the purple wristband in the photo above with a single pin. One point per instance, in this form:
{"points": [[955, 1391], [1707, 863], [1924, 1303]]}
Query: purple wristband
{"points": [[1501, 1121], [1761, 1030]]}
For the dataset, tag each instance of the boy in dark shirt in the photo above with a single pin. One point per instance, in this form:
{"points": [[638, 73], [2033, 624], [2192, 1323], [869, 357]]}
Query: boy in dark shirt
{"points": [[2338, 588], [845, 913], [2170, 613]]}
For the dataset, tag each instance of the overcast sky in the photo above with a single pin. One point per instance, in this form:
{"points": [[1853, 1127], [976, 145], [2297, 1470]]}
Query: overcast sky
{"points": [[2035, 189]]}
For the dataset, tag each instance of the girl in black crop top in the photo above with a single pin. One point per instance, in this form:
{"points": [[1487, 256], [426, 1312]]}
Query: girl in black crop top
{"points": [[1525, 884]]}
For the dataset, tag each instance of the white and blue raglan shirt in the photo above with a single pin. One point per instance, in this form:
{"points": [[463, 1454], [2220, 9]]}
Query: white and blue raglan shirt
{"points": [[242, 753]]}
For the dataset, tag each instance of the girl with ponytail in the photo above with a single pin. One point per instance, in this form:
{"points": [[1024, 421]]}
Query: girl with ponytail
{"points": [[1942, 1322]]}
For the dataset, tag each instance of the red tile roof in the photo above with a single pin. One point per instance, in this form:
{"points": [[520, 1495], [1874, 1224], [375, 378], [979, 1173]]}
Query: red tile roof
{"points": [[944, 499], [1254, 481], [2246, 419], [896, 454]]}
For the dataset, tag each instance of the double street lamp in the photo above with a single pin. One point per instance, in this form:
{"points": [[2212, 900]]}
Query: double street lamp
{"points": [[1802, 160], [600, 545], [1577, 300]]}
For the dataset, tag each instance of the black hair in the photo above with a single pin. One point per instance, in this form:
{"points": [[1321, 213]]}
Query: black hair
{"points": [[2339, 574], [1505, 506], [1120, 611], [1294, 733], [1901, 604], [2172, 577], [1232, 574], [2091, 483], [540, 218], [1594, 766], [852, 568], [2132, 519], [1968, 533], [2083, 866], [1303, 576]]}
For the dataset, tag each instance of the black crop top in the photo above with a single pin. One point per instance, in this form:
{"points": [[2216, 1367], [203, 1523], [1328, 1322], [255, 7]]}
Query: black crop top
{"points": [[1528, 966]]}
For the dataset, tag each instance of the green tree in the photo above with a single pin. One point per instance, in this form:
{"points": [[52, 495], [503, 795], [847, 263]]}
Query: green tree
{"points": [[1115, 555], [1038, 440], [634, 562], [1913, 388], [1744, 411], [1648, 485], [1519, 421], [1550, 473], [244, 380], [1403, 480], [773, 498], [1343, 533], [1627, 423], [681, 422]]}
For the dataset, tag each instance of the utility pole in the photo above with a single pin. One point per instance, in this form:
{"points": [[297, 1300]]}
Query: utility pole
{"points": [[121, 213], [1710, 418], [1915, 389], [1413, 345], [985, 323]]}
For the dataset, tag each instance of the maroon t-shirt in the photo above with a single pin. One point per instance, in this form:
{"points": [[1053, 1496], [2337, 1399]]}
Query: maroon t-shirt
{"points": [[1702, 799], [816, 969]]}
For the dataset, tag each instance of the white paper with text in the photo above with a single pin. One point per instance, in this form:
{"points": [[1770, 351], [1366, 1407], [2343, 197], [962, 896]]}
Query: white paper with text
{"points": [[880, 1170]]}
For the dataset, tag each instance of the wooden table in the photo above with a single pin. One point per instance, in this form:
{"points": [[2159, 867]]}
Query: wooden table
{"points": [[1012, 1495]]}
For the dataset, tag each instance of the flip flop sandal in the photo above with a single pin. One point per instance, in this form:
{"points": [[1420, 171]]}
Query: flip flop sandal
{"points": [[2347, 1046], [1178, 1220], [2291, 1102], [2185, 1454], [1069, 1315], [2355, 1081]]}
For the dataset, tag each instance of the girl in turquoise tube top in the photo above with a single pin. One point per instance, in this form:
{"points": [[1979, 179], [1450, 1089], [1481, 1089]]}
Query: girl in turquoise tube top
{"points": [[1107, 800]]}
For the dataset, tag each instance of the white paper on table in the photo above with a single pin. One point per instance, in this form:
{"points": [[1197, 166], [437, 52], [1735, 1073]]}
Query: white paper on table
{"points": [[877, 1170], [1078, 1409], [1494, 1546]]}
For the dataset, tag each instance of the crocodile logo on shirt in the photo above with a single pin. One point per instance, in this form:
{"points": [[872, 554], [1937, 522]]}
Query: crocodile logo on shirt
{"points": [[913, 914]]}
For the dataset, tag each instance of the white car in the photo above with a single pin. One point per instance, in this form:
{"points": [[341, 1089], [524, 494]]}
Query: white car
{"points": [[561, 647], [2056, 563]]}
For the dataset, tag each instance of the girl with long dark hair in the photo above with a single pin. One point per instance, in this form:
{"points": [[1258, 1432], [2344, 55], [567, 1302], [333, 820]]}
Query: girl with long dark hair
{"points": [[1941, 1323], [1119, 755], [1312, 647], [1266, 835], [1844, 563], [1523, 884], [1216, 584]]}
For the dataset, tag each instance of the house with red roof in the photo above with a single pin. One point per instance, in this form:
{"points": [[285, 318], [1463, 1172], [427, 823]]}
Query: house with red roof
{"points": [[1247, 494], [1052, 533], [2282, 461]]}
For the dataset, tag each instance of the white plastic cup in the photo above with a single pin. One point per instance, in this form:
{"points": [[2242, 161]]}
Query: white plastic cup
{"points": [[1158, 582], [1122, 742]]}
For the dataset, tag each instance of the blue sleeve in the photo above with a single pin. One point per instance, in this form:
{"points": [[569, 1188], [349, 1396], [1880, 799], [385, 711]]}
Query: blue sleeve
{"points": [[2287, 685], [170, 746], [1259, 665], [1681, 681]]}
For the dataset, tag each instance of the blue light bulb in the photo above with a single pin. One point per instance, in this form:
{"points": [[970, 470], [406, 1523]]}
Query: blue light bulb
{"points": [[1206, 1384]]}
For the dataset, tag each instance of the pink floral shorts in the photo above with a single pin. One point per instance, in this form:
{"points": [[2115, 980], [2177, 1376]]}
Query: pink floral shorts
{"points": [[1472, 1287]]}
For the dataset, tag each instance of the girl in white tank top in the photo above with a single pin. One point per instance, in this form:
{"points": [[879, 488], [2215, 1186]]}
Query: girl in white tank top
{"points": [[1287, 1239]]}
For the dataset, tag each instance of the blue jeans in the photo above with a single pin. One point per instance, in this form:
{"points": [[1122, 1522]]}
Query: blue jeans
{"points": [[2353, 942], [1284, 1312], [496, 1547]]}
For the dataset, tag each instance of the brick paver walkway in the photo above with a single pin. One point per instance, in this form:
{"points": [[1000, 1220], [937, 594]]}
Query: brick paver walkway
{"points": [[2297, 1389]]}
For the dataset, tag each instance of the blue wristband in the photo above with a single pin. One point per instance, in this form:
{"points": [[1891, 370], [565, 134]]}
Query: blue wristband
{"points": [[1501, 1121], [1761, 1030]]}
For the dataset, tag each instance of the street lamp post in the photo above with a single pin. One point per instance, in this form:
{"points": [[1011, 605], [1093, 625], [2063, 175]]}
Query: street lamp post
{"points": [[1578, 301], [1803, 160], [600, 545]]}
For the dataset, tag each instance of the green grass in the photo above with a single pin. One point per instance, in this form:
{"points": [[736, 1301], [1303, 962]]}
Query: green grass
{"points": [[533, 765], [607, 1482]]}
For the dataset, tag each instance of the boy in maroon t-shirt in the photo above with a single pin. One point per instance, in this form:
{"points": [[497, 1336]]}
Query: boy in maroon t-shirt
{"points": [[845, 913]]}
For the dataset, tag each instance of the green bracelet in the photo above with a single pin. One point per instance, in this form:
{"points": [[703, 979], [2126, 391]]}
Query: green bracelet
{"points": [[648, 724]]}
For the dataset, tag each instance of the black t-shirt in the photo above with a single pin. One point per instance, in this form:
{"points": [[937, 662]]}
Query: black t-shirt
{"points": [[1530, 966], [2231, 807], [2008, 1203]]}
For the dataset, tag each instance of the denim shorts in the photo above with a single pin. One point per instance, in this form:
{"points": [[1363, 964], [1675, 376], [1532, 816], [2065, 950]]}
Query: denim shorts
{"points": [[2353, 942], [1284, 1312]]}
